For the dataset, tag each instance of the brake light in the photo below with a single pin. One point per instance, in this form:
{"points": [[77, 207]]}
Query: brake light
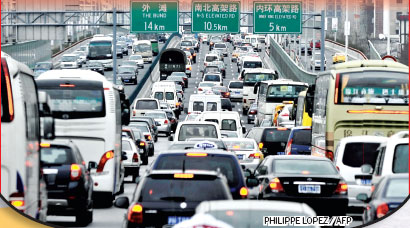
{"points": [[200, 89], [285, 114], [67, 85], [8, 86], [255, 155], [166, 122], [261, 145], [227, 94], [75, 172], [177, 104], [135, 213], [148, 137], [252, 112], [281, 129], [329, 154], [184, 175], [134, 112], [106, 156], [275, 185], [189, 68], [17, 200], [341, 188], [337, 88], [288, 150], [196, 154], [244, 100], [243, 192], [382, 210], [135, 157]]}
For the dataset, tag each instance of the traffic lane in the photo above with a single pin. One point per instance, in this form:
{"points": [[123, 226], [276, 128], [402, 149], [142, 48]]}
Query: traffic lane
{"points": [[328, 53]]}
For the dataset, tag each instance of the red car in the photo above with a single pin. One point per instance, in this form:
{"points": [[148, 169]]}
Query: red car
{"points": [[317, 44]]}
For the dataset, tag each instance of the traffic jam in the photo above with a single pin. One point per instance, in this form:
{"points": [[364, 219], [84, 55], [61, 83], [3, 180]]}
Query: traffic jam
{"points": [[221, 140]]}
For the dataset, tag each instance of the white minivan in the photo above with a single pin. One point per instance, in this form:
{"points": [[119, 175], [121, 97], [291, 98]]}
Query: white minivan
{"points": [[166, 91], [196, 129], [250, 62], [227, 121], [199, 103]]}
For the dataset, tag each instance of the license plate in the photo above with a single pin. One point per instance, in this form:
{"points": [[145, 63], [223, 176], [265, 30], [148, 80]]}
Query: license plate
{"points": [[281, 153], [365, 181], [237, 92], [126, 80], [50, 171], [309, 188], [240, 156], [172, 220]]}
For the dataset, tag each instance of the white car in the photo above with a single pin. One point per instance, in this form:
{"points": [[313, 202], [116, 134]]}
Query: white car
{"points": [[236, 89], [205, 86], [246, 150], [210, 58], [188, 68], [315, 61], [351, 154], [138, 59], [215, 78], [133, 162], [70, 61]]}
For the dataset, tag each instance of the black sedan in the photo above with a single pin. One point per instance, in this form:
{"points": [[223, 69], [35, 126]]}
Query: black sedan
{"points": [[128, 74], [391, 191], [164, 198], [299, 178]]}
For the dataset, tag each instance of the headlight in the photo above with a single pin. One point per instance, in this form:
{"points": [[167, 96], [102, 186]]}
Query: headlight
{"points": [[133, 77]]}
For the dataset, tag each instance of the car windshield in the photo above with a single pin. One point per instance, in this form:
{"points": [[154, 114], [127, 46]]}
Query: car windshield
{"points": [[303, 166], [160, 188], [374, 87], [236, 85], [240, 145], [135, 57], [226, 164], [140, 127], [45, 66], [358, 153], [401, 159], [210, 58], [68, 59], [126, 145], [147, 104], [197, 131], [126, 70], [397, 188], [186, 43], [55, 155], [212, 78], [156, 115]]}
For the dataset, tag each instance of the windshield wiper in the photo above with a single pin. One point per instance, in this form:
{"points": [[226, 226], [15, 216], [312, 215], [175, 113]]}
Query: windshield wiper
{"points": [[173, 198]]}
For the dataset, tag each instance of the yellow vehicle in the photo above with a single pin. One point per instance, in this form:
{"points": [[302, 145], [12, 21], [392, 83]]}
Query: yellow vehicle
{"points": [[303, 115], [363, 97], [339, 58], [278, 109]]}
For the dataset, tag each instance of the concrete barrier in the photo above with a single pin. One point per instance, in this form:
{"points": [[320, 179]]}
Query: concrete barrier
{"points": [[352, 54]]}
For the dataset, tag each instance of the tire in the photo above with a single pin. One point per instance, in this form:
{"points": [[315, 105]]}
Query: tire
{"points": [[135, 175], [145, 160], [244, 111], [84, 217]]}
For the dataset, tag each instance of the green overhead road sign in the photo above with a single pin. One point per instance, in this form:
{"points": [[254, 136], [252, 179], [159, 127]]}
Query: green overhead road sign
{"points": [[215, 17], [277, 17], [154, 16]]}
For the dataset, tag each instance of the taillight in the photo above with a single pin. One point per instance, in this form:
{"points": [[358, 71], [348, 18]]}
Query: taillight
{"points": [[382, 210], [243, 192], [341, 188], [275, 185], [200, 89], [244, 100], [134, 113], [142, 143], [329, 154], [261, 145], [288, 150], [106, 156], [8, 87], [255, 155], [285, 114], [173, 121], [17, 200], [75, 172], [135, 213], [252, 112], [166, 122], [227, 94], [135, 157]]}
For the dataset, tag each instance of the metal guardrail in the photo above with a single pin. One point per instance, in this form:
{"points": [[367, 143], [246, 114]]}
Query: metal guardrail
{"points": [[147, 75], [287, 68], [374, 54]]}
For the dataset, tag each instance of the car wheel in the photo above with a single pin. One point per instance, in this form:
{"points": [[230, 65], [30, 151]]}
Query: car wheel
{"points": [[249, 121], [145, 160], [84, 217]]}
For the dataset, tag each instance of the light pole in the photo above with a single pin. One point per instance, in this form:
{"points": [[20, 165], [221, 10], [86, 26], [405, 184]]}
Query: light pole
{"points": [[347, 28]]}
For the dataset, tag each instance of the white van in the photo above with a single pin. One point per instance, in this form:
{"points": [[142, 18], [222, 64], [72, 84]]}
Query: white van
{"points": [[253, 39], [351, 154], [209, 58], [196, 129], [166, 91], [250, 62], [20, 136], [142, 105], [227, 121], [199, 103]]}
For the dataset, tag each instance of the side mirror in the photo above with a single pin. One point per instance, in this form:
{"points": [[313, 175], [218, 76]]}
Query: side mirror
{"points": [[247, 172], [92, 165], [252, 182], [122, 202], [124, 156], [363, 197], [366, 169], [256, 87], [170, 138]]}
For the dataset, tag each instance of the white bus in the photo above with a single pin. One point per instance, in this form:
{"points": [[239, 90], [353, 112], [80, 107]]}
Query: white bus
{"points": [[100, 49], [20, 137], [275, 92], [87, 109], [143, 48], [250, 77]]}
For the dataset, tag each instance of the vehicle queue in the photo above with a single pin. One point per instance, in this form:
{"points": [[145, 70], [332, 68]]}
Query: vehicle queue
{"points": [[307, 150]]}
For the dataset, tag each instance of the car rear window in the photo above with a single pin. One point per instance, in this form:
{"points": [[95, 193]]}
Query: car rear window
{"points": [[401, 159], [303, 166], [56, 155], [182, 190], [229, 125], [197, 131], [220, 45], [274, 135], [169, 95], [126, 145], [226, 164], [211, 106], [357, 154], [210, 58], [236, 85], [397, 188], [302, 137], [212, 78], [146, 104], [156, 115]]}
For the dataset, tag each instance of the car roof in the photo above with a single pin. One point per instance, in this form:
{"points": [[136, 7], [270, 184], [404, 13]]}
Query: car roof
{"points": [[173, 171], [239, 139], [364, 138], [208, 151], [298, 157]]}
